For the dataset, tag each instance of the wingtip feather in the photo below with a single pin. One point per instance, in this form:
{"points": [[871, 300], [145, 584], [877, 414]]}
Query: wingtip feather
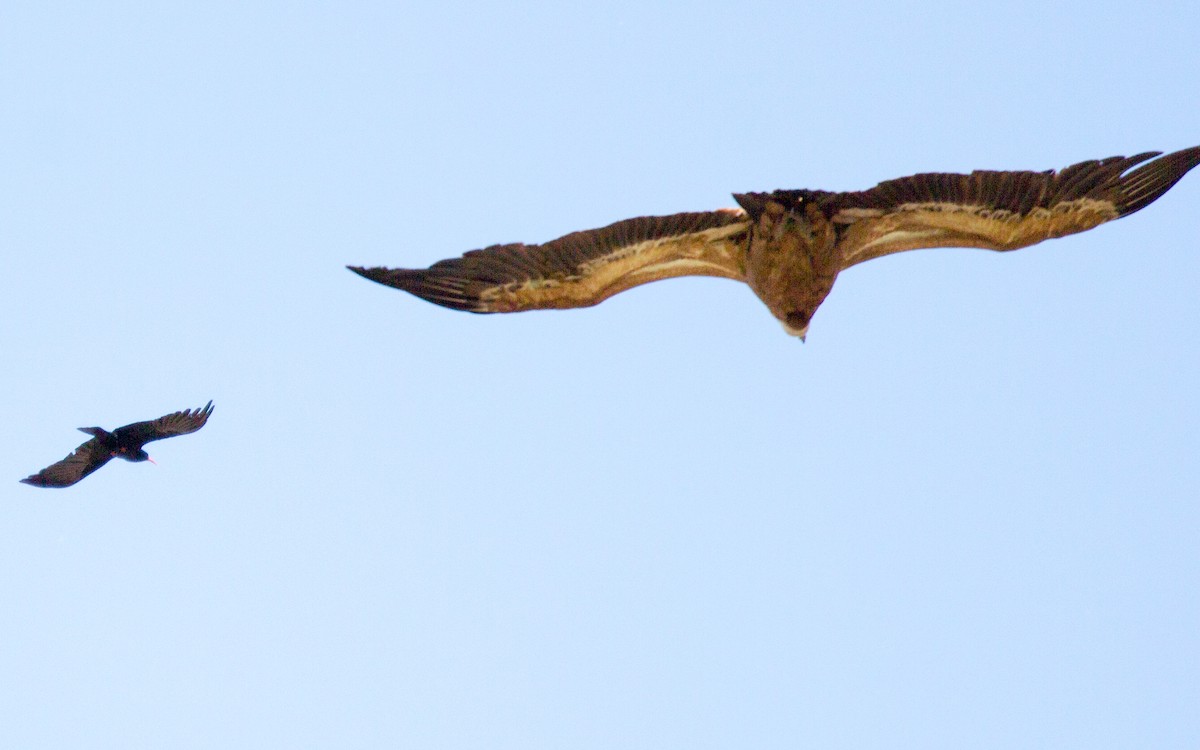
{"points": [[439, 286], [1149, 182]]}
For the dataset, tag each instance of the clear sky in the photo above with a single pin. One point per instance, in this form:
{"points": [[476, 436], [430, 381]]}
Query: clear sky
{"points": [[965, 514]]}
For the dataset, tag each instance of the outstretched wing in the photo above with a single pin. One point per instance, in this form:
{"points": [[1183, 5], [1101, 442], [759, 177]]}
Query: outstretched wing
{"points": [[83, 461], [582, 268], [179, 423], [997, 210]]}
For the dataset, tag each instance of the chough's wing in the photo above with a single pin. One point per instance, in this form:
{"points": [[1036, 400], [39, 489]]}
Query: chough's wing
{"points": [[83, 461], [580, 269], [997, 210], [171, 425]]}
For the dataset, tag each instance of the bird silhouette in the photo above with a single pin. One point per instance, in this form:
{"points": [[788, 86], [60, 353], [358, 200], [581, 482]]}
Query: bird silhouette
{"points": [[790, 245], [124, 442]]}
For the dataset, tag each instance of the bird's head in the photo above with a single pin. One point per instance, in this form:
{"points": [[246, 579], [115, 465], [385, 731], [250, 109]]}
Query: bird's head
{"points": [[795, 323], [137, 455]]}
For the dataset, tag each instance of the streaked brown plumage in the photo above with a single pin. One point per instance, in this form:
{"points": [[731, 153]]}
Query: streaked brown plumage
{"points": [[790, 245], [124, 442]]}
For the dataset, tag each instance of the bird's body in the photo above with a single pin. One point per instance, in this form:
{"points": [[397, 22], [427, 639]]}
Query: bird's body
{"points": [[124, 442], [792, 260], [790, 245]]}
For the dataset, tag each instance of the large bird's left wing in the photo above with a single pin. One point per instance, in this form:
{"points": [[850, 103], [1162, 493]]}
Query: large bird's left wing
{"points": [[997, 210], [580, 269], [83, 461], [171, 425]]}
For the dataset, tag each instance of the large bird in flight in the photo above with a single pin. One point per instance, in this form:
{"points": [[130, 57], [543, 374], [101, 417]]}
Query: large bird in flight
{"points": [[124, 442], [790, 245]]}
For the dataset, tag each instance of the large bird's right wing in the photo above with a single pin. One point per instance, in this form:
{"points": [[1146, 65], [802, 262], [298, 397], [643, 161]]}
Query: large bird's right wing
{"points": [[580, 269], [998, 210], [83, 461]]}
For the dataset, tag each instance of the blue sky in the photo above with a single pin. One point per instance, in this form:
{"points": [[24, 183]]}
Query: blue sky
{"points": [[964, 514]]}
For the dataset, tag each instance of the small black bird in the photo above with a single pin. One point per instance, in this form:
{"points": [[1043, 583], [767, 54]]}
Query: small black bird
{"points": [[124, 442]]}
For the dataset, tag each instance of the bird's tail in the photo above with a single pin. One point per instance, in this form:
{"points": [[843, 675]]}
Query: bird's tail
{"points": [[94, 431]]}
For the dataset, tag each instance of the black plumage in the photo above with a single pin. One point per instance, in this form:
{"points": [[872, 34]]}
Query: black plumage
{"points": [[124, 442]]}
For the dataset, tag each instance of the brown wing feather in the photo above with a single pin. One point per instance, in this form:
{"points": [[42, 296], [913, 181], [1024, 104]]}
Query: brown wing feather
{"points": [[997, 210], [83, 461], [171, 425], [582, 268]]}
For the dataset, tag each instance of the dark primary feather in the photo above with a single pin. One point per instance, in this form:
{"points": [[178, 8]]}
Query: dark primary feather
{"points": [[1144, 185]]}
